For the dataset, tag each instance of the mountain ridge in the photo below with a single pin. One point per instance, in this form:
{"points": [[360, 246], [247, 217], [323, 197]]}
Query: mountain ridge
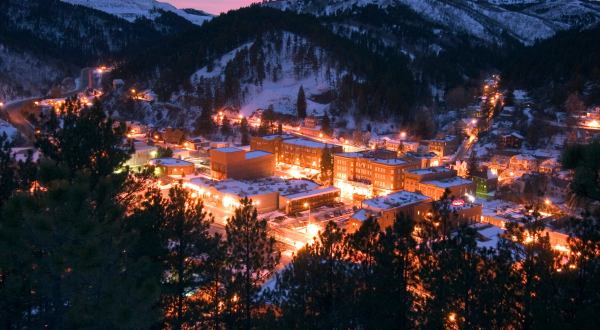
{"points": [[525, 21], [134, 9]]}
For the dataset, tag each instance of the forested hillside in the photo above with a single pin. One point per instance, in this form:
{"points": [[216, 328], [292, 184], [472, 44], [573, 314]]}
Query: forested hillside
{"points": [[54, 40], [387, 85], [556, 67]]}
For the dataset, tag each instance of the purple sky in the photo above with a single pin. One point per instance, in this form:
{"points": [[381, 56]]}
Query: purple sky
{"points": [[211, 6]]}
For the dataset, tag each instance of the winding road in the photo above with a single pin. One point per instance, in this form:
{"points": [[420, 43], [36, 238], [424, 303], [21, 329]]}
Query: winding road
{"points": [[19, 121]]}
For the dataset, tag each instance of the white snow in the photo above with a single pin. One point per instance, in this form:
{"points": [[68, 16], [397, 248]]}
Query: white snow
{"points": [[282, 93], [8, 129], [134, 9]]}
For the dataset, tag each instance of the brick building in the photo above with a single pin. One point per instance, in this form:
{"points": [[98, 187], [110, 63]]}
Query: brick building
{"points": [[234, 163], [369, 173], [293, 151]]}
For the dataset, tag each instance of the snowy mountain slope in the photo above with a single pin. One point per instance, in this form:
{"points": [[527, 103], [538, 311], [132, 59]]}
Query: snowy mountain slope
{"points": [[286, 67], [133, 9], [525, 20]]}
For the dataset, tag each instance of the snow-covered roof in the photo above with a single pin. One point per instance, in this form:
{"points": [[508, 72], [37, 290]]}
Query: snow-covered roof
{"points": [[257, 154], [228, 149], [312, 193], [449, 182], [306, 143], [276, 136], [248, 188], [170, 162], [429, 170], [395, 200], [393, 161]]}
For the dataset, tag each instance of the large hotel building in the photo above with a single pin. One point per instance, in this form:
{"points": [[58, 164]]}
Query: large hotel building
{"points": [[361, 175], [292, 150]]}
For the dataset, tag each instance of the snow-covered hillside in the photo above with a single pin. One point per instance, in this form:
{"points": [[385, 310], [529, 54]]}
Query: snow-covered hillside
{"points": [[23, 74], [133, 9], [529, 21], [285, 70]]}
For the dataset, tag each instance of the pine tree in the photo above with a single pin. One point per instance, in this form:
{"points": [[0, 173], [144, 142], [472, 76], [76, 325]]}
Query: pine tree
{"points": [[301, 104], [205, 124], [186, 237], [316, 290], [245, 140], [226, 127], [252, 257], [327, 165], [85, 139], [8, 174], [472, 167], [326, 125], [394, 275]]}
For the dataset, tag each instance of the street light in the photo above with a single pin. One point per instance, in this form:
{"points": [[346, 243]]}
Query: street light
{"points": [[307, 206]]}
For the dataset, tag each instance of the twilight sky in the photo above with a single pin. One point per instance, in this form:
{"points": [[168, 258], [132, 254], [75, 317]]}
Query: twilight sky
{"points": [[211, 6]]}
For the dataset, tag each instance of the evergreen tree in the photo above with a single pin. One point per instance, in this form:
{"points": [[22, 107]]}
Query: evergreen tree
{"points": [[186, 237], [85, 138], [244, 131], [252, 257], [472, 166], [316, 290], [301, 104], [327, 165], [164, 152], [205, 124], [8, 182], [395, 271], [226, 127], [326, 125]]}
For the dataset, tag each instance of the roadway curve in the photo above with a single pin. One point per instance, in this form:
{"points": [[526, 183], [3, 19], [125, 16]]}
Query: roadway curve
{"points": [[18, 120]]}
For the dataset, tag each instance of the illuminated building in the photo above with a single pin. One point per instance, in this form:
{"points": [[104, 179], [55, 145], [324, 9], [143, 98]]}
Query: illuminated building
{"points": [[269, 143], [385, 209], [513, 140], [444, 146], [364, 174], [172, 166], [234, 163], [298, 202], [485, 183], [142, 155], [433, 181], [267, 194], [525, 163], [424, 159], [413, 177], [293, 151]]}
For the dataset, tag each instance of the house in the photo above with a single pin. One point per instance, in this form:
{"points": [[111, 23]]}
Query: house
{"points": [[174, 136], [444, 146], [521, 162], [486, 182], [513, 140], [172, 166]]}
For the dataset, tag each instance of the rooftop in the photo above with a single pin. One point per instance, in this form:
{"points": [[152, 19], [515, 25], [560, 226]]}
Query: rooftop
{"points": [[306, 143], [393, 161], [273, 137], [257, 154], [228, 149], [429, 170], [450, 182], [246, 188], [170, 162], [395, 200], [311, 193]]}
